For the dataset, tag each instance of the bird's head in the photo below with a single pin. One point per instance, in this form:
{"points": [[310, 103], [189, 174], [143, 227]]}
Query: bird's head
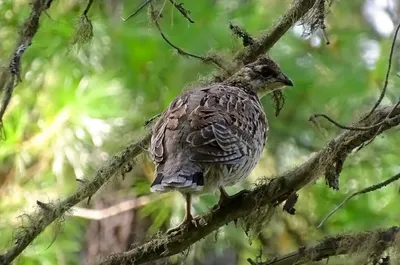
{"points": [[262, 77]]}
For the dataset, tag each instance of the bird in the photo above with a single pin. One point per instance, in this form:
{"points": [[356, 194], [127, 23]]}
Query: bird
{"points": [[212, 137]]}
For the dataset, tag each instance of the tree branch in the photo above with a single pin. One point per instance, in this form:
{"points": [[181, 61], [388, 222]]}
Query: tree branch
{"points": [[327, 161], [297, 10], [363, 191], [86, 11], [137, 10], [338, 245], [264, 43], [182, 10], [99, 214], [28, 31], [44, 217], [383, 93], [155, 16]]}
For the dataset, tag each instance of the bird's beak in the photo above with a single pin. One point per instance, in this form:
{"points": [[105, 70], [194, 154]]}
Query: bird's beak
{"points": [[285, 80]]}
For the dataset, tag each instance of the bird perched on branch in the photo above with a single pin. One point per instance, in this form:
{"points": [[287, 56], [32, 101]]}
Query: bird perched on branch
{"points": [[212, 137]]}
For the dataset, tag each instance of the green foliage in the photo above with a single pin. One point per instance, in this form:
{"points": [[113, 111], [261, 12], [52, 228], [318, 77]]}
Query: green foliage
{"points": [[75, 107]]}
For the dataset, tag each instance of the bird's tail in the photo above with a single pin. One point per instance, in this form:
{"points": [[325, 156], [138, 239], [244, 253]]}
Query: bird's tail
{"points": [[187, 177]]}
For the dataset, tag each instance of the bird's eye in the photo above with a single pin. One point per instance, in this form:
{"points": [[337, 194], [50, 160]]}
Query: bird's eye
{"points": [[266, 71]]}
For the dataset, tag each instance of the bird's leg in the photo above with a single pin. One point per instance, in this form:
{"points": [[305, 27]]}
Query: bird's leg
{"points": [[225, 197], [188, 216]]}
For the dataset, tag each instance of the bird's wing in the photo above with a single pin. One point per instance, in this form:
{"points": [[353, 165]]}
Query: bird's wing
{"points": [[217, 124], [225, 126], [170, 122]]}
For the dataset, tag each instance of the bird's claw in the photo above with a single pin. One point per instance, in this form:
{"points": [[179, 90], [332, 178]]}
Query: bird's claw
{"points": [[226, 199], [188, 221]]}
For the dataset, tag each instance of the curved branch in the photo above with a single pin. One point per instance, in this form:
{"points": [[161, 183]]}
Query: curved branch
{"points": [[383, 92], [338, 245], [327, 161]]}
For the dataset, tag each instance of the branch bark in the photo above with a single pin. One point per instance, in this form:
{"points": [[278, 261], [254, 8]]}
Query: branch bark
{"points": [[264, 43], [28, 31], [45, 216], [339, 245], [297, 10], [272, 193]]}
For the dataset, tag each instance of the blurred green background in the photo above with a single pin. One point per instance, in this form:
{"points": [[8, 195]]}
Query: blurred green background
{"points": [[77, 106]]}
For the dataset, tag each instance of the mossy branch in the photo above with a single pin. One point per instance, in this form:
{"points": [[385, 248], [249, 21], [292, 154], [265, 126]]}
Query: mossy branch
{"points": [[339, 245], [265, 42], [27, 32], [297, 10], [329, 160], [45, 216]]}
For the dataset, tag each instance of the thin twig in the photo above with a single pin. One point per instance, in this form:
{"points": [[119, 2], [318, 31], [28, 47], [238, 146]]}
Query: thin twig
{"points": [[387, 119], [182, 10], [363, 191], [90, 2], [137, 10], [352, 128], [387, 72], [179, 50], [321, 10], [99, 214], [155, 17]]}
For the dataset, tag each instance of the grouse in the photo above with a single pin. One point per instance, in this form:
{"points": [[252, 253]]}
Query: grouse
{"points": [[212, 137]]}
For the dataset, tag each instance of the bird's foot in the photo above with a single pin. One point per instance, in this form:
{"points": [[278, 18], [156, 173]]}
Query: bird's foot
{"points": [[224, 199], [189, 220]]}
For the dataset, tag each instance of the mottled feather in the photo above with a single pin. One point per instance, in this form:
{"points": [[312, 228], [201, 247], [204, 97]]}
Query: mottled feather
{"points": [[205, 129]]}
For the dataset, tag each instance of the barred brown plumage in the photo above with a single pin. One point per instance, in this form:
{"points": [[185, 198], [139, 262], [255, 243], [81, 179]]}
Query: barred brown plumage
{"points": [[212, 137]]}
